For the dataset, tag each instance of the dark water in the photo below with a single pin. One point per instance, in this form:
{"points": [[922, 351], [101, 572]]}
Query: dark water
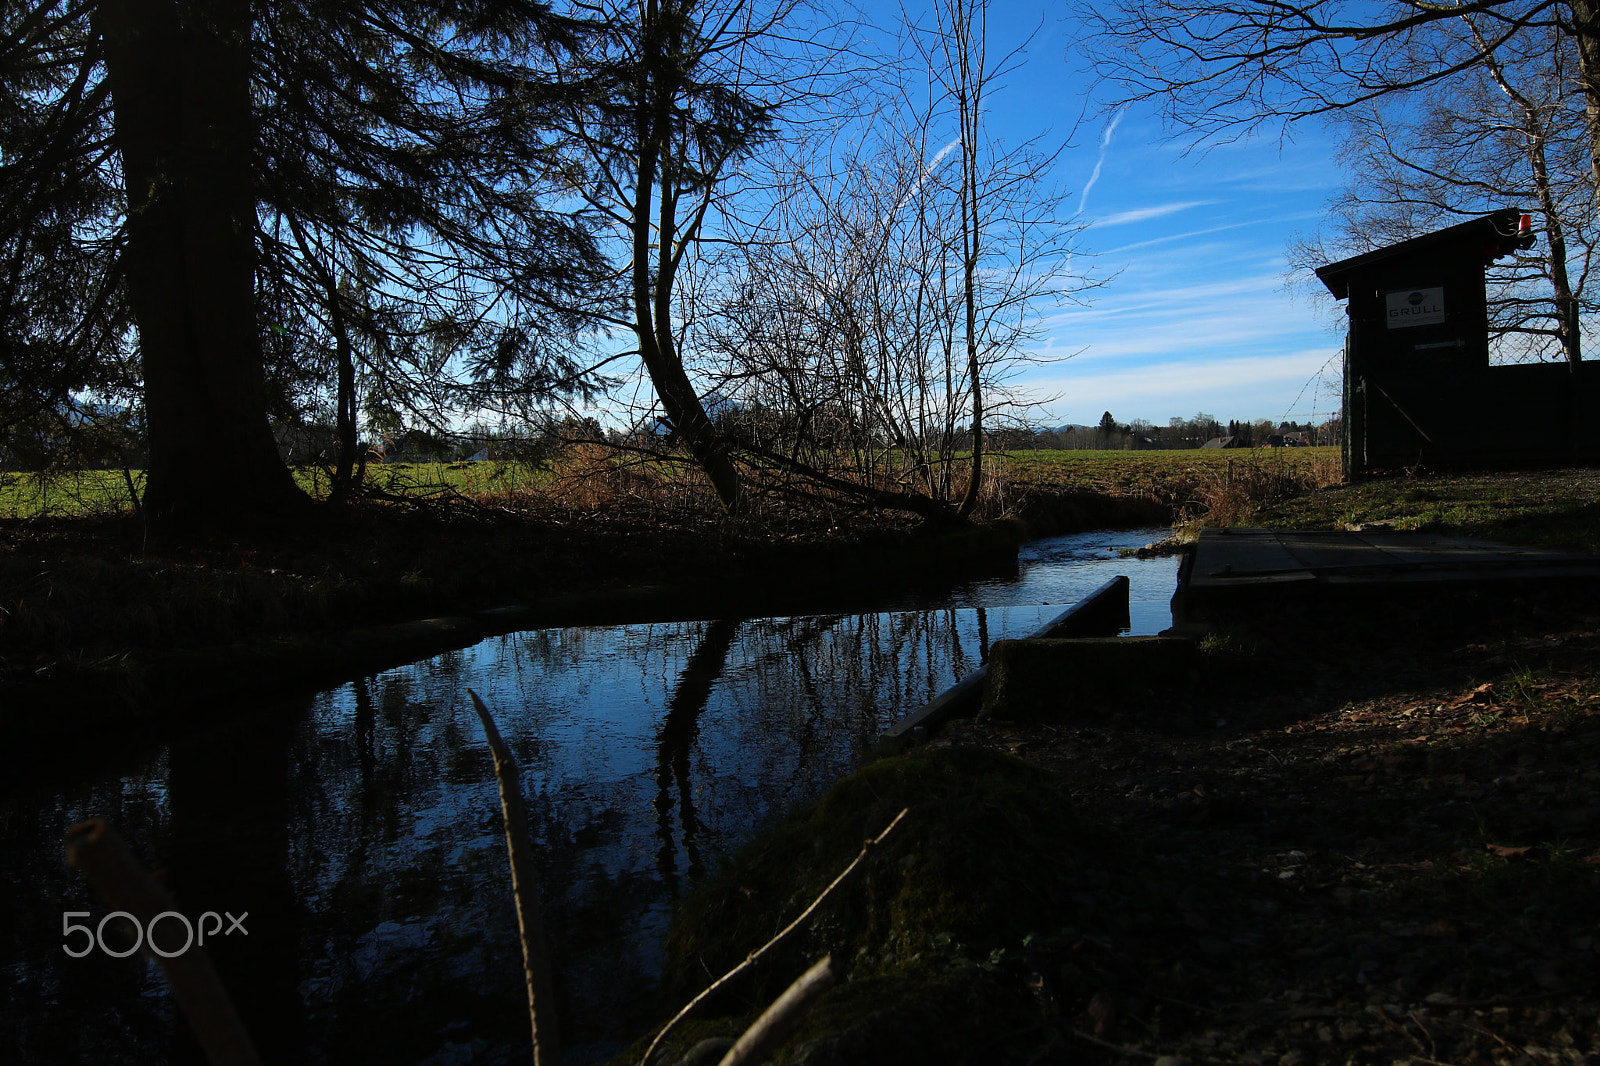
{"points": [[359, 827]]}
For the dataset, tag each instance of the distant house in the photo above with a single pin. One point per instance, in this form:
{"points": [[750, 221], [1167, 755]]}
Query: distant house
{"points": [[1224, 442]]}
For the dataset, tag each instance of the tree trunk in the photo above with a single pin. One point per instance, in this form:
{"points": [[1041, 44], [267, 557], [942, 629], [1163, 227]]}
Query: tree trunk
{"points": [[1534, 132], [652, 295], [179, 72], [344, 472], [973, 73], [1586, 32]]}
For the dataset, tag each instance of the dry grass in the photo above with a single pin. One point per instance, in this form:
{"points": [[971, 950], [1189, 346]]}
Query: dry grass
{"points": [[1238, 491], [1202, 487]]}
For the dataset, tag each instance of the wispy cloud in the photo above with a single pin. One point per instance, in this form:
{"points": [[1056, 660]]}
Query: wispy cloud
{"points": [[1145, 214], [1166, 238]]}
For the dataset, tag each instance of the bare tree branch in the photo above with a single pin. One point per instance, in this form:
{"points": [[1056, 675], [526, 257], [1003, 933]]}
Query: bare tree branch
{"points": [[783, 934]]}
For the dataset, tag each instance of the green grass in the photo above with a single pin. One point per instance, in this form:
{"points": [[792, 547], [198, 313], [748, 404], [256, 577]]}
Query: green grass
{"points": [[1171, 475], [1291, 488], [77, 492], [88, 492], [1161, 473], [1557, 508], [415, 479], [1202, 487]]}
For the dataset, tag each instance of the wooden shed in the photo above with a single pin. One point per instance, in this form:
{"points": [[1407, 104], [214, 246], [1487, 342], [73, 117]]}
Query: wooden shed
{"points": [[1418, 387]]}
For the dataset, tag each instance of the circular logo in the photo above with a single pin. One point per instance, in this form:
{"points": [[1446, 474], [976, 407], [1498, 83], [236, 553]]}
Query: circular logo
{"points": [[1414, 299]]}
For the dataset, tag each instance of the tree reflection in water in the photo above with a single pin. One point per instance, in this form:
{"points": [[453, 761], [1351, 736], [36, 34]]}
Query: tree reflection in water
{"points": [[678, 731]]}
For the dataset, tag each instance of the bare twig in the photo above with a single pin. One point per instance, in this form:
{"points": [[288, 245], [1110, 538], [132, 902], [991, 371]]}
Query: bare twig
{"points": [[780, 1019], [99, 851], [1109, 1046], [525, 889], [1394, 1026], [751, 959]]}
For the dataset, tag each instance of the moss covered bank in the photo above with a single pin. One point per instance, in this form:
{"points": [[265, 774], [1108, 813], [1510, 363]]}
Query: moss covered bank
{"points": [[963, 934]]}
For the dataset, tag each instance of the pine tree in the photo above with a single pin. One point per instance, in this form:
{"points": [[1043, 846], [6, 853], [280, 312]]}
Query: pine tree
{"points": [[398, 151]]}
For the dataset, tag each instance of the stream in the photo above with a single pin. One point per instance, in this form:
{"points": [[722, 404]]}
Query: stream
{"points": [[358, 828]]}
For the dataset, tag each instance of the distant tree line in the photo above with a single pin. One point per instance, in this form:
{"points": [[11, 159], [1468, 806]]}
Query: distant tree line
{"points": [[1178, 433]]}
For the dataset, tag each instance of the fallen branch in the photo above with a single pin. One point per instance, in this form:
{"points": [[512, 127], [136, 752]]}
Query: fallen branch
{"points": [[780, 1019], [1120, 1049], [525, 890], [750, 960], [99, 851]]}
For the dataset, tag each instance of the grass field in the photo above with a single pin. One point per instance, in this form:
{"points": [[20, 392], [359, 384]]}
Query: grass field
{"points": [[78, 492], [1157, 471], [1219, 487], [81, 492], [1281, 487], [1301, 488], [1166, 475]]}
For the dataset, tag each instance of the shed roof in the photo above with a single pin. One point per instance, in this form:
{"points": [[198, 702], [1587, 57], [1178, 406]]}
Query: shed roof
{"points": [[1494, 235]]}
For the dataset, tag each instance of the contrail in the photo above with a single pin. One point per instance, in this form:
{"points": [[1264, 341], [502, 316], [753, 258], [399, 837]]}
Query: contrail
{"points": [[933, 164], [927, 172], [1105, 146]]}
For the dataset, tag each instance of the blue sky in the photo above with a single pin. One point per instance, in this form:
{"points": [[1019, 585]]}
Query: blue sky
{"points": [[1195, 314]]}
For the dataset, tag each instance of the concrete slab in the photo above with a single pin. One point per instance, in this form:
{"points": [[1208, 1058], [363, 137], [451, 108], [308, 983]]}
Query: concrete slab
{"points": [[1038, 680], [1234, 569]]}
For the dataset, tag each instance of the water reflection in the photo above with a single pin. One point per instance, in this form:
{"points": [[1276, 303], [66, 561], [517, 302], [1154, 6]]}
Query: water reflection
{"points": [[677, 737], [360, 827]]}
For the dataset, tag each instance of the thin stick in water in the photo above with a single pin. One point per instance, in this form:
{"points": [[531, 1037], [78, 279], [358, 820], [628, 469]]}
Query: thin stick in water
{"points": [[525, 889]]}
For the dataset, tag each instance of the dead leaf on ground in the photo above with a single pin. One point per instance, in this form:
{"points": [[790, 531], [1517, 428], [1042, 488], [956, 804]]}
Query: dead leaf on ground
{"points": [[1484, 693]]}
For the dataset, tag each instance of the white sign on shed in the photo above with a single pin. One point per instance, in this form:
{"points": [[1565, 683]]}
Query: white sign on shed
{"points": [[1415, 307]]}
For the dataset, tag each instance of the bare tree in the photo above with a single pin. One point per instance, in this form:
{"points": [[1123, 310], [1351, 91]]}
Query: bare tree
{"points": [[1511, 131], [683, 96], [1220, 68], [868, 348]]}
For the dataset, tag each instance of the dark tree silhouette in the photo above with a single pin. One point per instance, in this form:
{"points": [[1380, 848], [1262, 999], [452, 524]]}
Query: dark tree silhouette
{"points": [[397, 154], [179, 81]]}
